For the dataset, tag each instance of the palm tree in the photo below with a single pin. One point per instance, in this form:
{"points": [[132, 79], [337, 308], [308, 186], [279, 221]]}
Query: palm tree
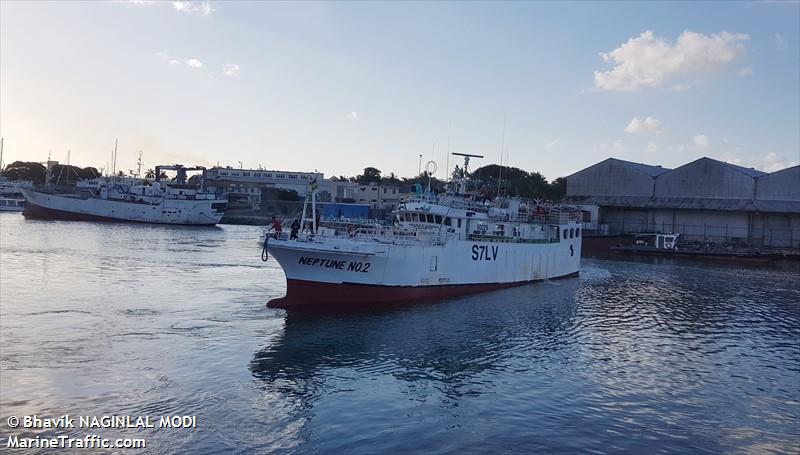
{"points": [[150, 174]]}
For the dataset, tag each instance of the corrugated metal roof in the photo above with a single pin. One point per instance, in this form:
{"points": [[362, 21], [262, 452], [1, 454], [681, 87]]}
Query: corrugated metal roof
{"points": [[742, 205], [646, 168], [747, 170]]}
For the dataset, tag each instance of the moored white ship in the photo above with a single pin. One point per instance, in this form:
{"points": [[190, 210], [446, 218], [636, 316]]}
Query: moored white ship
{"points": [[439, 246], [164, 202], [11, 199]]}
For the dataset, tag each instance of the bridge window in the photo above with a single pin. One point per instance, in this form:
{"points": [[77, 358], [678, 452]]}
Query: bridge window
{"points": [[571, 233], [565, 234], [438, 219], [448, 221], [577, 232], [415, 217]]}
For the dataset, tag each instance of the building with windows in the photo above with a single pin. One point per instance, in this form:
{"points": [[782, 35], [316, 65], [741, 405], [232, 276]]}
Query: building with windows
{"points": [[243, 179], [379, 196], [247, 184], [705, 200]]}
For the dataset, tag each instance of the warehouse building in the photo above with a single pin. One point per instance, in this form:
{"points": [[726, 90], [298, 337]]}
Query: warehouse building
{"points": [[705, 200], [250, 185]]}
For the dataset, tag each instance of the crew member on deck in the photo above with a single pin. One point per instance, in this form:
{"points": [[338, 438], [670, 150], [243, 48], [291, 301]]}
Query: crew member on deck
{"points": [[295, 228], [276, 226]]}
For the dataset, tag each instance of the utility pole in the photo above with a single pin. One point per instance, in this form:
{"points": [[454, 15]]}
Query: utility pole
{"points": [[419, 169]]}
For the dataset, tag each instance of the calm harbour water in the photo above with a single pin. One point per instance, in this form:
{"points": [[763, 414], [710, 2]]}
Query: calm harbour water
{"points": [[671, 357]]}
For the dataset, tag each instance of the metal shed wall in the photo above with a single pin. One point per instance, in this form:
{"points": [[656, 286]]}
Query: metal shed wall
{"points": [[611, 177], [783, 185], [705, 178]]}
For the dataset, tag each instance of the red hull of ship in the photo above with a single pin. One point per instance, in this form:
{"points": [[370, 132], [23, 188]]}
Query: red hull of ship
{"points": [[301, 293]]}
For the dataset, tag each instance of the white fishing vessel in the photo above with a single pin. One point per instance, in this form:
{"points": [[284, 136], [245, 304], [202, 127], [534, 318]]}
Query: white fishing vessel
{"points": [[176, 201], [11, 198], [439, 246]]}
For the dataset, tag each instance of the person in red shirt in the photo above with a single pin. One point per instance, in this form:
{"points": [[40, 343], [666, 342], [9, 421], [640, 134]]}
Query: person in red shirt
{"points": [[276, 226]]}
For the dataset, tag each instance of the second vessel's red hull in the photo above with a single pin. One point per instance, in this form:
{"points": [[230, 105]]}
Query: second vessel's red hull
{"points": [[301, 293]]}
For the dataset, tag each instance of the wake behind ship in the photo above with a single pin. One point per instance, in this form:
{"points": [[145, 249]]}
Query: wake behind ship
{"points": [[176, 201], [439, 246]]}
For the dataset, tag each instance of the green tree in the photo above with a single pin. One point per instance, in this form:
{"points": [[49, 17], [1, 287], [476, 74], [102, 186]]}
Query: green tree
{"points": [[370, 174], [512, 181], [391, 179], [26, 170], [558, 189]]}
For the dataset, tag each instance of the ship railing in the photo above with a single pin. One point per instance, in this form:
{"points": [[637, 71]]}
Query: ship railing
{"points": [[549, 218], [506, 239], [455, 202], [396, 236]]}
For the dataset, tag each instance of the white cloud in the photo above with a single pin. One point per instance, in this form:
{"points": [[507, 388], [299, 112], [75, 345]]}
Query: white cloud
{"points": [[174, 62], [652, 147], [780, 42], [701, 141], [182, 6], [770, 162], [680, 88], [649, 61], [194, 63], [187, 6], [646, 125], [746, 71], [614, 148], [230, 69], [552, 144], [353, 115]]}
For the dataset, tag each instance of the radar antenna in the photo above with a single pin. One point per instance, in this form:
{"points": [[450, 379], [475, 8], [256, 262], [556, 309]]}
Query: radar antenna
{"points": [[467, 156], [460, 182]]}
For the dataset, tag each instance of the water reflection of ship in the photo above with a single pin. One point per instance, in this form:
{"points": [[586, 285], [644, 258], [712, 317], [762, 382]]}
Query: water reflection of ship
{"points": [[453, 346]]}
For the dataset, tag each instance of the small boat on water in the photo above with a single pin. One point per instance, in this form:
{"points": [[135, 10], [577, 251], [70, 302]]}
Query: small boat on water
{"points": [[666, 244], [176, 201], [11, 198], [439, 246]]}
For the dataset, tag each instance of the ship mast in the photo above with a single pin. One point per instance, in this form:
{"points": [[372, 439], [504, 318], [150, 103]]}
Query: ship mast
{"points": [[461, 182], [139, 163]]}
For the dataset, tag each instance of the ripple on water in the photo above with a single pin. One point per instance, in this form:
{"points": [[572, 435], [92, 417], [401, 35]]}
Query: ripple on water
{"points": [[633, 357]]}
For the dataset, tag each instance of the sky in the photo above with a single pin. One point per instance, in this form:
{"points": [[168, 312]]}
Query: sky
{"points": [[339, 86]]}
